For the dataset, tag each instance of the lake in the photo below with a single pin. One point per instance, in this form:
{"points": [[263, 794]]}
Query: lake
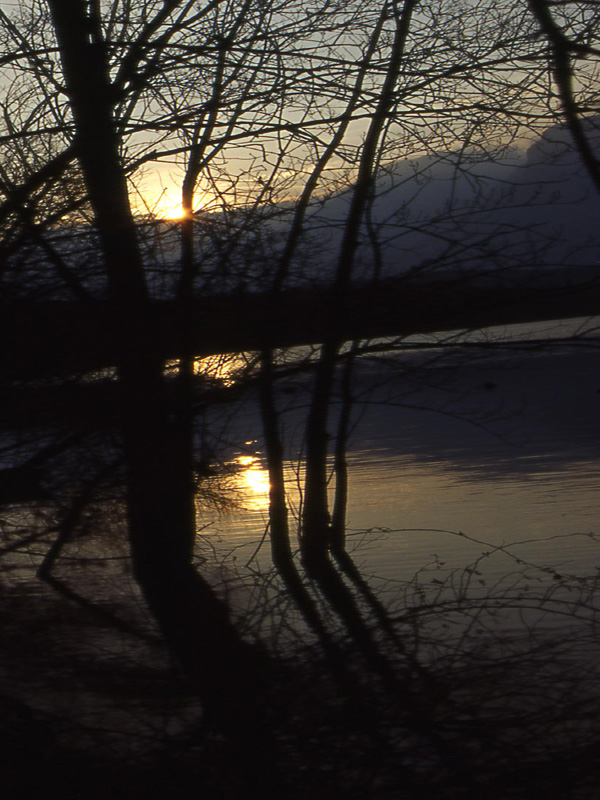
{"points": [[454, 453], [453, 456]]}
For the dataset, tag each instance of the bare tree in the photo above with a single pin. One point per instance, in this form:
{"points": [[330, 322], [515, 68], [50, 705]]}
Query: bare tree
{"points": [[281, 122], [569, 30]]}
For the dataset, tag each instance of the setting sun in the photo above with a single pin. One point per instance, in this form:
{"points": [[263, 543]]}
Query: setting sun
{"points": [[168, 205]]}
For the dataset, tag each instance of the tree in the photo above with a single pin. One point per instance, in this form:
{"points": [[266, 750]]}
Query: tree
{"points": [[569, 31], [282, 121]]}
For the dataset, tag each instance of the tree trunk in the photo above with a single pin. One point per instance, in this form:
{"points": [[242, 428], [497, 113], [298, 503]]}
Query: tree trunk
{"points": [[160, 518]]}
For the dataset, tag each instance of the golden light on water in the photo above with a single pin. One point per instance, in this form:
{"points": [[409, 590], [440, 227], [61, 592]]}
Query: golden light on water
{"points": [[223, 368], [254, 482], [257, 480]]}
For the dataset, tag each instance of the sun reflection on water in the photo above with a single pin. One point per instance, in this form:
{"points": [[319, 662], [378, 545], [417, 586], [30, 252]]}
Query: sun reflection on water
{"points": [[254, 483]]}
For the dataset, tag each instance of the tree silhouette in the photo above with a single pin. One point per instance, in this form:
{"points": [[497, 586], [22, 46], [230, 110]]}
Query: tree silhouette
{"points": [[283, 122]]}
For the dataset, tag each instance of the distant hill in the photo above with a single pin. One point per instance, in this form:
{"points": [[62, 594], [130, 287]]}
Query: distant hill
{"points": [[458, 211], [534, 207]]}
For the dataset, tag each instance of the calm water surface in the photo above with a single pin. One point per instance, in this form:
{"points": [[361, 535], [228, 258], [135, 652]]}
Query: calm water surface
{"points": [[504, 449]]}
